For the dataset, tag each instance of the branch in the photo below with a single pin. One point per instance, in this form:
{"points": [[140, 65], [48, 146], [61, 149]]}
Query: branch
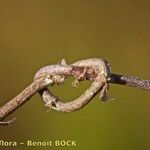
{"points": [[96, 70], [55, 103], [23, 97], [130, 81]]}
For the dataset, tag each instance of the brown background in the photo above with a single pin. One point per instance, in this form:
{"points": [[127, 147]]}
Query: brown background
{"points": [[34, 33]]}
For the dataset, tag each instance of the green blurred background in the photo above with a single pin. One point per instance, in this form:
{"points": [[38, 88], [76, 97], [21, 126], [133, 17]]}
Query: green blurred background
{"points": [[35, 33]]}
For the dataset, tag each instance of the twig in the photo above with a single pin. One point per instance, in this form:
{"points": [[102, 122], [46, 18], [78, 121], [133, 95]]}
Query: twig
{"points": [[96, 70], [21, 98], [130, 81], [93, 69], [55, 103]]}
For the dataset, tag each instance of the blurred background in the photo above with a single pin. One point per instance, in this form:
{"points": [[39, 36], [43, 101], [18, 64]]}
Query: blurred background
{"points": [[35, 33]]}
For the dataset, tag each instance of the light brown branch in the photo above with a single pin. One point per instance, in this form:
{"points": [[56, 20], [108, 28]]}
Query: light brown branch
{"points": [[23, 97], [55, 103], [96, 70]]}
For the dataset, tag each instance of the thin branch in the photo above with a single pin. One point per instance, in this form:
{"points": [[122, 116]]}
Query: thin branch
{"points": [[130, 81], [96, 70], [55, 103], [23, 97]]}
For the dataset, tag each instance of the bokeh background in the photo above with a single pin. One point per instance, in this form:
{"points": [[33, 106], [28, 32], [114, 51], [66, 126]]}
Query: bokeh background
{"points": [[35, 33]]}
